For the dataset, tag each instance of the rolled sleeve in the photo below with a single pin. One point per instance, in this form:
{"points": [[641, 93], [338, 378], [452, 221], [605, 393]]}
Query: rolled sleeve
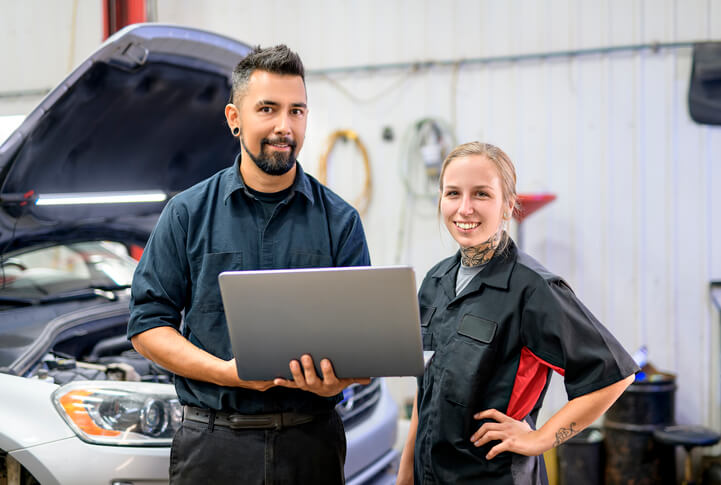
{"points": [[160, 283]]}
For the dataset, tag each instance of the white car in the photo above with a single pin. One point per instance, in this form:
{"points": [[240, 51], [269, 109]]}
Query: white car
{"points": [[82, 181]]}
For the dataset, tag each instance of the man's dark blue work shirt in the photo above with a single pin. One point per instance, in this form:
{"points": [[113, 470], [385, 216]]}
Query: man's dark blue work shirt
{"points": [[217, 225]]}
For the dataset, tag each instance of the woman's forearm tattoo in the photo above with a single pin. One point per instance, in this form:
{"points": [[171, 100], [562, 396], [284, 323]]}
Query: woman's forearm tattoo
{"points": [[564, 433]]}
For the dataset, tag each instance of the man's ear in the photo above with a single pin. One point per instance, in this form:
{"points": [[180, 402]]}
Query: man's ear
{"points": [[232, 116]]}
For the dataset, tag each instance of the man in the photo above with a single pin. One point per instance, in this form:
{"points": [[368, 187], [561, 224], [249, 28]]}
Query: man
{"points": [[264, 212]]}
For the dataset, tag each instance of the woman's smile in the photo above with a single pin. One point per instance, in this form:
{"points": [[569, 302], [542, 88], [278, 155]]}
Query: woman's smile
{"points": [[466, 226]]}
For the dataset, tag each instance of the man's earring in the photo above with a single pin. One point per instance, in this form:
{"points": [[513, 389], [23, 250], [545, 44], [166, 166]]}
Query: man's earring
{"points": [[236, 131]]}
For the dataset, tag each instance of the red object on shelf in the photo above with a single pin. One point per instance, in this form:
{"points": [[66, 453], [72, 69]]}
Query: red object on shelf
{"points": [[119, 13], [530, 203]]}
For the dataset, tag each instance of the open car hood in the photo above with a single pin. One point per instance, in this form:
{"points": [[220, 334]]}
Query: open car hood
{"points": [[143, 114]]}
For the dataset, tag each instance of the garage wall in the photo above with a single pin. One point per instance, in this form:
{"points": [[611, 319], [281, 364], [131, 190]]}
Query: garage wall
{"points": [[635, 228], [40, 43]]}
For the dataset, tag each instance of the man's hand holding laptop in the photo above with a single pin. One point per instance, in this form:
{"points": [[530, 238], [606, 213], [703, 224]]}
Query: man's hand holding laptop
{"points": [[306, 378]]}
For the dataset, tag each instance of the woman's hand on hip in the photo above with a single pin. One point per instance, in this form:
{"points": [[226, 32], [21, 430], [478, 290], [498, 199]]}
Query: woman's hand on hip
{"points": [[515, 436]]}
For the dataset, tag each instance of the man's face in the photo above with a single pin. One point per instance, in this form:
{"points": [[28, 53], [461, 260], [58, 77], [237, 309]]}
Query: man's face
{"points": [[273, 116]]}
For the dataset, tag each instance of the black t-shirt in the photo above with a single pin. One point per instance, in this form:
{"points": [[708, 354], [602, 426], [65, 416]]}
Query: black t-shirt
{"points": [[269, 200]]}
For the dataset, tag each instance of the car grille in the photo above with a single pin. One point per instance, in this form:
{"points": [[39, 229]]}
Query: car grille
{"points": [[358, 401]]}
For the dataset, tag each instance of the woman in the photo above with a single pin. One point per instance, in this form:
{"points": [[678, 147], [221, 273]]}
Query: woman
{"points": [[498, 323]]}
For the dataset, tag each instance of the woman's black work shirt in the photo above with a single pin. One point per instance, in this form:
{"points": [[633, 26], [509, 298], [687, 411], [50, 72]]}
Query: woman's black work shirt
{"points": [[495, 345], [219, 225]]}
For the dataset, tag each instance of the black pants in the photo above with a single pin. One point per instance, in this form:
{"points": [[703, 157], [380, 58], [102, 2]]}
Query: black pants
{"points": [[311, 453]]}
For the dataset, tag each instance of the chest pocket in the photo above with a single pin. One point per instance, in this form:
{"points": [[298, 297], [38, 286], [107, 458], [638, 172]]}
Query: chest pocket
{"points": [[478, 328], [207, 291], [470, 357], [426, 332]]}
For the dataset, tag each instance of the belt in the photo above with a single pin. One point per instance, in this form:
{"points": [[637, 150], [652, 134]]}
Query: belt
{"points": [[245, 421]]}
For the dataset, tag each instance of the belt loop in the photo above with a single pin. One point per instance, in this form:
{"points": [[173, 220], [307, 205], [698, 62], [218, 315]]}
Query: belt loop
{"points": [[211, 420]]}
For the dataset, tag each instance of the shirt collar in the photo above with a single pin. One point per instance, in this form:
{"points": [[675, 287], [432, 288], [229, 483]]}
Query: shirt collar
{"points": [[233, 181]]}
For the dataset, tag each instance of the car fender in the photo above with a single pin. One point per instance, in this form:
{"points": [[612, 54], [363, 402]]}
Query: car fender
{"points": [[27, 415]]}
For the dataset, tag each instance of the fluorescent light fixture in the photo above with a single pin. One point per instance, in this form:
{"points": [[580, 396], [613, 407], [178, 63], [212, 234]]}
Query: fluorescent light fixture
{"points": [[100, 198]]}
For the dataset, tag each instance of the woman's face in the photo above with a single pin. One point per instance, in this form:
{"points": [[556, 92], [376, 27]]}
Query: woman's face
{"points": [[472, 203]]}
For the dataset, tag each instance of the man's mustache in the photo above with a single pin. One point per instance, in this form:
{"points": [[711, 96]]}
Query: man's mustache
{"points": [[279, 140]]}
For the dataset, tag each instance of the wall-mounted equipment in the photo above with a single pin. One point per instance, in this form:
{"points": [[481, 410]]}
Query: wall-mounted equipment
{"points": [[363, 200], [704, 92], [426, 144]]}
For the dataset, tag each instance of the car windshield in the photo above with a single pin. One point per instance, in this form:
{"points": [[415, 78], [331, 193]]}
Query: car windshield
{"points": [[41, 273]]}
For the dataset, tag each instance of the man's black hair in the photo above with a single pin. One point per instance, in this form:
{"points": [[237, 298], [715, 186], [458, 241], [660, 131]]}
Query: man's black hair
{"points": [[277, 60]]}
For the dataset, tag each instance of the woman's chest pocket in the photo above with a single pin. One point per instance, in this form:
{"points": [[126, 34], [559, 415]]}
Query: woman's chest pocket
{"points": [[427, 313], [207, 292], [469, 360], [429, 342]]}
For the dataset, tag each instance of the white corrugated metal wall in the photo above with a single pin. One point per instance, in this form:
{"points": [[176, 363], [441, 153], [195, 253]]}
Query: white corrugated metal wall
{"points": [[633, 226], [636, 228]]}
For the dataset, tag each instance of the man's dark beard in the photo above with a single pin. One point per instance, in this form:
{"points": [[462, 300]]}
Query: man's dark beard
{"points": [[276, 163]]}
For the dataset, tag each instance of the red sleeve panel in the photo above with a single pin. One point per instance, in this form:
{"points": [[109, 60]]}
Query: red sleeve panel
{"points": [[530, 381]]}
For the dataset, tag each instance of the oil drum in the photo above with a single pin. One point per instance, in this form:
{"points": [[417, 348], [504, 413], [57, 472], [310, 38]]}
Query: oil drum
{"points": [[633, 457], [580, 459]]}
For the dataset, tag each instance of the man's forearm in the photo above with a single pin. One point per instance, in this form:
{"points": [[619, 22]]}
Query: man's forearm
{"points": [[169, 349]]}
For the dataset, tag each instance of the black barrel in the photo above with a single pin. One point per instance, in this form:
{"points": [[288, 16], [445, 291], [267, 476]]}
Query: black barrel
{"points": [[632, 454], [580, 459]]}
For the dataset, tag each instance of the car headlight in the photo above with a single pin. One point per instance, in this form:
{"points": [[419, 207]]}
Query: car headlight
{"points": [[120, 413]]}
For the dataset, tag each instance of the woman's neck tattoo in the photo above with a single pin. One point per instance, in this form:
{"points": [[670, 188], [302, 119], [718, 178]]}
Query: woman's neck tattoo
{"points": [[481, 254]]}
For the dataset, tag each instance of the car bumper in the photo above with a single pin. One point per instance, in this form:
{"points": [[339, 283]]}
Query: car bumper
{"points": [[74, 461], [371, 459]]}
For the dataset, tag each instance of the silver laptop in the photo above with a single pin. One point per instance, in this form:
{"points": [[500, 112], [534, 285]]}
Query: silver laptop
{"points": [[364, 319]]}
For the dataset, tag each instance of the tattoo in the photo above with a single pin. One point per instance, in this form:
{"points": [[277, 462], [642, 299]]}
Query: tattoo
{"points": [[481, 254], [564, 433]]}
